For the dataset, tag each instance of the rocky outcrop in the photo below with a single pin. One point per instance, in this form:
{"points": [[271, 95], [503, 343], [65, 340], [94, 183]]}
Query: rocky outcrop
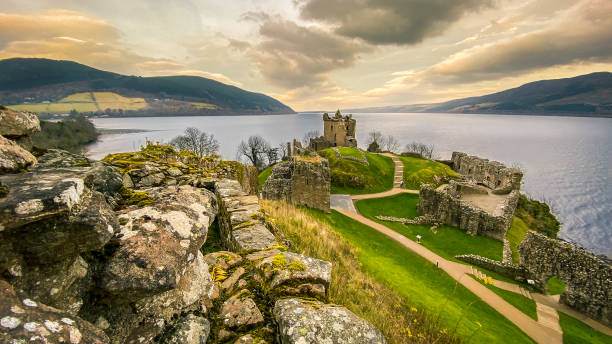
{"points": [[301, 181], [161, 165], [13, 158], [191, 330], [158, 241], [588, 278], [302, 321], [290, 273], [104, 263], [23, 320], [240, 311], [16, 124]]}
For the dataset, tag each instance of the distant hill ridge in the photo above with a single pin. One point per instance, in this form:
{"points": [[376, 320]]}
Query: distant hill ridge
{"points": [[587, 95], [35, 80]]}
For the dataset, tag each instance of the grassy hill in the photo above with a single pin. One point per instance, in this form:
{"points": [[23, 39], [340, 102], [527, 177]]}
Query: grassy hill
{"points": [[353, 177], [29, 83], [589, 94], [419, 171]]}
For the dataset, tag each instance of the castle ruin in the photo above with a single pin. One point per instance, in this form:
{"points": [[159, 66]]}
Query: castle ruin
{"points": [[339, 130], [303, 180], [482, 203]]}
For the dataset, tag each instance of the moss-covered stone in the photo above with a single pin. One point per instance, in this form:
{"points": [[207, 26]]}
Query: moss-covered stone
{"points": [[131, 197]]}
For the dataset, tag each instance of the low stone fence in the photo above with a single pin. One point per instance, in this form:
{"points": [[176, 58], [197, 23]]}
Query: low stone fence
{"points": [[512, 271], [588, 278], [363, 160], [420, 220]]}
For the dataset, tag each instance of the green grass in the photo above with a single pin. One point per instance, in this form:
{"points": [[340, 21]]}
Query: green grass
{"points": [[420, 171], [577, 332], [448, 242], [555, 286], [425, 285], [522, 303], [263, 176], [348, 151], [515, 236], [352, 177]]}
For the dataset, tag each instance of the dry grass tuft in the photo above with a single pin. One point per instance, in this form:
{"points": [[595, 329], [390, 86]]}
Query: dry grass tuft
{"points": [[351, 286]]}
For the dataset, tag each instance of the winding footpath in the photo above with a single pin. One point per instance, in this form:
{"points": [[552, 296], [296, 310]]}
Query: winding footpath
{"points": [[545, 330]]}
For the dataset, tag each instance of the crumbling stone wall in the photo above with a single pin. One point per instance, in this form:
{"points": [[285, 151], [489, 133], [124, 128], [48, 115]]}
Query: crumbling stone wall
{"points": [[588, 278], [516, 272], [444, 207], [300, 181], [493, 174]]}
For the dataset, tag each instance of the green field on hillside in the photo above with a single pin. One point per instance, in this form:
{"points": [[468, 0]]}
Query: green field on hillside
{"points": [[85, 102], [446, 241], [420, 171], [423, 284], [577, 332], [353, 177]]}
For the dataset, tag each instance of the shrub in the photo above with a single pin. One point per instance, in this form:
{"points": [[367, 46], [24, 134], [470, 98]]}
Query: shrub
{"points": [[71, 134], [537, 216]]}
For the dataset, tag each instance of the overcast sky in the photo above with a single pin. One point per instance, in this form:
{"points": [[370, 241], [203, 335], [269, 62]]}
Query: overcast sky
{"points": [[323, 54]]}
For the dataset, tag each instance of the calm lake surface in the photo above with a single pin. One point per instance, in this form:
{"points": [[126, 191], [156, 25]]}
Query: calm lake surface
{"points": [[568, 160]]}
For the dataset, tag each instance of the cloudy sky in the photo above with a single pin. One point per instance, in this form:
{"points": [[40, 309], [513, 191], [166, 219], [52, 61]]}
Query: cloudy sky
{"points": [[323, 54]]}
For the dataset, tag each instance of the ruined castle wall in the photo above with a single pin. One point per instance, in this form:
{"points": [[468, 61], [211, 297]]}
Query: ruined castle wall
{"points": [[492, 174], [301, 181], [588, 278], [515, 272], [447, 209]]}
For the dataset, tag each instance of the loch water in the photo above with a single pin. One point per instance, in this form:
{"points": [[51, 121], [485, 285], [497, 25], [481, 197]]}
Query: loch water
{"points": [[567, 160]]}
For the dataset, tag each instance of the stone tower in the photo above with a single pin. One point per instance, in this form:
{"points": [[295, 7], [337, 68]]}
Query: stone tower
{"points": [[339, 130]]}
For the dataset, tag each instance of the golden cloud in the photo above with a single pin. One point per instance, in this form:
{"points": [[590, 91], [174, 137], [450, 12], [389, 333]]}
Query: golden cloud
{"points": [[69, 35]]}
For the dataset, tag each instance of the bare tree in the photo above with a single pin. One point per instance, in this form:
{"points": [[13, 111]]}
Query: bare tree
{"points": [[283, 151], [196, 141], [375, 136], [254, 150], [391, 144], [425, 151], [310, 135], [272, 155]]}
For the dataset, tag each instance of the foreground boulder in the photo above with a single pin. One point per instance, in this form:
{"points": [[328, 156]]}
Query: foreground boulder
{"points": [[13, 158], [191, 330], [27, 321], [158, 241], [15, 124], [291, 273], [302, 321]]}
